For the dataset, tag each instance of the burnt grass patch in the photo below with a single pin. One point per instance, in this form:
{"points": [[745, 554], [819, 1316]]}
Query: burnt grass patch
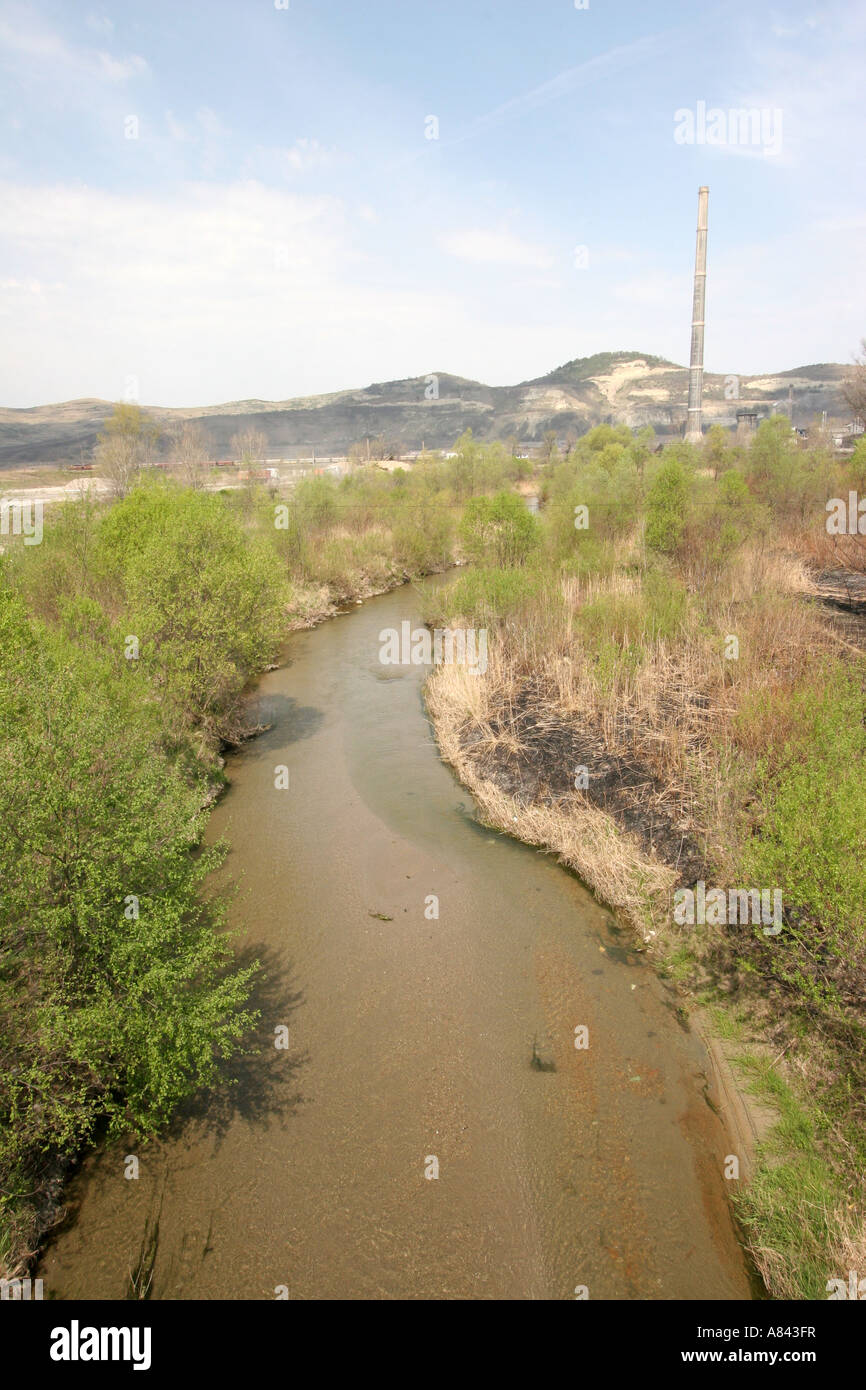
{"points": [[842, 593], [543, 771]]}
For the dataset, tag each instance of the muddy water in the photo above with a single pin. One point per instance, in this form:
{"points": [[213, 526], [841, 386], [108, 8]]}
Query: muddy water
{"points": [[411, 1038]]}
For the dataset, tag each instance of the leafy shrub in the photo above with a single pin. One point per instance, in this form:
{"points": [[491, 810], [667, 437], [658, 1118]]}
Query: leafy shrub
{"points": [[117, 990], [666, 508], [204, 598], [499, 530], [487, 595]]}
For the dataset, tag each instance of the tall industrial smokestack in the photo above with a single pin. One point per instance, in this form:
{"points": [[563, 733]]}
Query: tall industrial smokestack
{"points": [[696, 361]]}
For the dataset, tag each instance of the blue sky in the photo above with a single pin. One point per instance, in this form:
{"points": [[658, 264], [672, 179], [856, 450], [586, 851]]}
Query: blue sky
{"points": [[227, 199]]}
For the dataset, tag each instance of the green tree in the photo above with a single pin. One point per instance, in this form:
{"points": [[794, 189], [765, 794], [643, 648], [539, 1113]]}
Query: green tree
{"points": [[462, 466], [499, 530], [640, 449], [204, 598], [666, 508], [772, 454], [857, 464], [715, 449]]}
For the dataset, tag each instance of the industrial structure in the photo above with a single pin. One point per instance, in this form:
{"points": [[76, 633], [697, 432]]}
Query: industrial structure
{"points": [[696, 360]]}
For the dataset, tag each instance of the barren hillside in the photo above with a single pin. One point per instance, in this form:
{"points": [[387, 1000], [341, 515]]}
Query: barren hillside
{"points": [[618, 387]]}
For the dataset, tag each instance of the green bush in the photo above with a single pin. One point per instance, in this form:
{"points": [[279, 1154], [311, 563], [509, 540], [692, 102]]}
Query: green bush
{"points": [[204, 598], [666, 508], [612, 500], [117, 989], [499, 530], [423, 537], [486, 595]]}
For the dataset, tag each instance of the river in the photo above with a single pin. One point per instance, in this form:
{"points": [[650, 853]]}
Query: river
{"points": [[410, 1039]]}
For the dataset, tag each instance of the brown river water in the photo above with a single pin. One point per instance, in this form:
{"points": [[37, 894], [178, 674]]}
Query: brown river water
{"points": [[412, 1039]]}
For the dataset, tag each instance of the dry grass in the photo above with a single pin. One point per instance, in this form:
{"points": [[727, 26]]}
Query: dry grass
{"points": [[852, 1244], [586, 839], [825, 552], [673, 710]]}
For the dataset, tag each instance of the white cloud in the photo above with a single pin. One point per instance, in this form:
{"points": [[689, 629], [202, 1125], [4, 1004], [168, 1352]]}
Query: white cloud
{"points": [[27, 286], [484, 247], [210, 121], [49, 54], [306, 154], [537, 282], [274, 164], [121, 69], [855, 223], [212, 293], [209, 294], [204, 126], [33, 43], [784, 28], [99, 23], [176, 129]]}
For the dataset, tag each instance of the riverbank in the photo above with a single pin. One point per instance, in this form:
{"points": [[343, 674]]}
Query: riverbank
{"points": [[418, 975], [622, 863], [619, 854], [603, 775], [132, 635]]}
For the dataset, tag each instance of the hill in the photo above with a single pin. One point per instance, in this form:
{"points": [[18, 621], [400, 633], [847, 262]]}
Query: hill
{"points": [[615, 387]]}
